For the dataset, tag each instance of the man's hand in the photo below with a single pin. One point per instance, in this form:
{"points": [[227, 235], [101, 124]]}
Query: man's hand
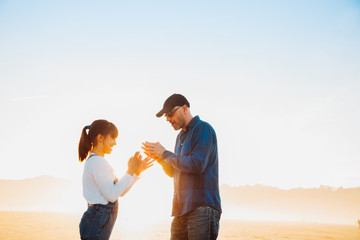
{"points": [[153, 150]]}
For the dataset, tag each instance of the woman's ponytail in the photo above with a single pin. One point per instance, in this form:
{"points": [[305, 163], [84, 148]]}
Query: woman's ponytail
{"points": [[84, 144]]}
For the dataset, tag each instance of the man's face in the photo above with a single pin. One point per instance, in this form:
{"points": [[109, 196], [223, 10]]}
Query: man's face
{"points": [[176, 117]]}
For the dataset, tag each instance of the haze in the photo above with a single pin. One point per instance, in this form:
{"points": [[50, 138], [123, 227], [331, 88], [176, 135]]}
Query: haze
{"points": [[279, 82]]}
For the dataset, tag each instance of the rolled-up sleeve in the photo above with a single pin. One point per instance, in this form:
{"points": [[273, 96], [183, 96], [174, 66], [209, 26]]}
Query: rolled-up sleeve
{"points": [[168, 169]]}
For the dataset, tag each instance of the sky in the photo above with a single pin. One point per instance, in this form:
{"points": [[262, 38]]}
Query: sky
{"points": [[278, 80]]}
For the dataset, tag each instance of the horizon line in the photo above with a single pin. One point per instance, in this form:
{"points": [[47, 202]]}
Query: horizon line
{"points": [[323, 186]]}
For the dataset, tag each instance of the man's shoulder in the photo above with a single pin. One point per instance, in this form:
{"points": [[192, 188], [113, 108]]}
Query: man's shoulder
{"points": [[202, 125]]}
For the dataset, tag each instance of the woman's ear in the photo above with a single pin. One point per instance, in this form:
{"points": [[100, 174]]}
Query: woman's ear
{"points": [[100, 138]]}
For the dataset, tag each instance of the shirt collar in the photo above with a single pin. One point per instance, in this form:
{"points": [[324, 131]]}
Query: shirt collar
{"points": [[192, 123]]}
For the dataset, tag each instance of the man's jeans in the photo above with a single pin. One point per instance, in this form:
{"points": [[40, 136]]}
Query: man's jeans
{"points": [[199, 224], [98, 221]]}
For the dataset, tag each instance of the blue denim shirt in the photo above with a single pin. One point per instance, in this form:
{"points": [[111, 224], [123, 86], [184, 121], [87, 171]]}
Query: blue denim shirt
{"points": [[194, 167]]}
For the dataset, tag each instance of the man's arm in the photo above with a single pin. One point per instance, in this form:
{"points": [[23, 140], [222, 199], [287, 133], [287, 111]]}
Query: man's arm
{"points": [[168, 169], [155, 151], [197, 160], [201, 148]]}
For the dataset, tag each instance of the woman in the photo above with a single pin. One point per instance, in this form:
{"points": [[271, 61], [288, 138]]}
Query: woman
{"points": [[101, 188]]}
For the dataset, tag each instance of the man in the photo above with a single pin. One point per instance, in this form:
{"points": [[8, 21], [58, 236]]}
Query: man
{"points": [[194, 167]]}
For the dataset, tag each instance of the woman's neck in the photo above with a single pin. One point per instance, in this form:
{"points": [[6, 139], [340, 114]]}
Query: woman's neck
{"points": [[98, 152]]}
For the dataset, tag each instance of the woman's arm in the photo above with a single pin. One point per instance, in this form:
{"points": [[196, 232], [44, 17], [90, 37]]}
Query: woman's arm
{"points": [[104, 178]]}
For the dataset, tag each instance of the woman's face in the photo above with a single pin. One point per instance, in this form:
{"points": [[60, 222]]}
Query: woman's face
{"points": [[109, 142]]}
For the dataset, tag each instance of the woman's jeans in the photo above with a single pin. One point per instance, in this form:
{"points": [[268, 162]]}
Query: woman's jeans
{"points": [[98, 221], [199, 224]]}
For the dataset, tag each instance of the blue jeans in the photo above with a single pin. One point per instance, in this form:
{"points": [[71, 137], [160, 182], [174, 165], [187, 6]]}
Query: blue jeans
{"points": [[98, 221], [199, 224]]}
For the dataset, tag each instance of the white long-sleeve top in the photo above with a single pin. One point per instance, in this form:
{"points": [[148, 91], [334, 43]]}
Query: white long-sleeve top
{"points": [[98, 181]]}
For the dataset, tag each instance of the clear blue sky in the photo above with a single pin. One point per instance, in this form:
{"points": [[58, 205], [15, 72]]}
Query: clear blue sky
{"points": [[278, 80]]}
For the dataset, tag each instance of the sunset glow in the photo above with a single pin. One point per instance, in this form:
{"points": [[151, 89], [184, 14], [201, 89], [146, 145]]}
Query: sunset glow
{"points": [[277, 80]]}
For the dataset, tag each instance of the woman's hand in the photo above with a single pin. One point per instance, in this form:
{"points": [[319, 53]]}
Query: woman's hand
{"points": [[134, 163], [145, 164]]}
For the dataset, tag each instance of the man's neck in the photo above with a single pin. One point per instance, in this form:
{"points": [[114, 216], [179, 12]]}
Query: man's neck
{"points": [[188, 119]]}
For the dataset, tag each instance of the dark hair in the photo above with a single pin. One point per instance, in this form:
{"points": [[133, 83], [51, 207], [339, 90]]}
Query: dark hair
{"points": [[88, 140]]}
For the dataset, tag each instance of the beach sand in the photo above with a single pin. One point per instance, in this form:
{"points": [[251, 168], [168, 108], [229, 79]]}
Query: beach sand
{"points": [[45, 226]]}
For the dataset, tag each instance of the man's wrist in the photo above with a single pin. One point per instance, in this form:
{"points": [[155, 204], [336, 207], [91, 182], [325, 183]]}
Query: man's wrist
{"points": [[164, 156], [162, 153]]}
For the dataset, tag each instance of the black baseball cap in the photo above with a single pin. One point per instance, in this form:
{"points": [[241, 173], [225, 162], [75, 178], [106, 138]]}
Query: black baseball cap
{"points": [[172, 101]]}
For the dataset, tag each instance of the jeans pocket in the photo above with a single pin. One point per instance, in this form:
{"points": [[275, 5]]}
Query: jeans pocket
{"points": [[94, 224], [104, 219], [87, 225], [217, 214], [89, 215]]}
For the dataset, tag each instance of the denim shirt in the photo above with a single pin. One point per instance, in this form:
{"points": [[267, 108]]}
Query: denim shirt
{"points": [[194, 167]]}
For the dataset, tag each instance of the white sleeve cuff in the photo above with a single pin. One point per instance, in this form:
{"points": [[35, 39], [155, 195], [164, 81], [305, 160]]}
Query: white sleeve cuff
{"points": [[136, 177]]}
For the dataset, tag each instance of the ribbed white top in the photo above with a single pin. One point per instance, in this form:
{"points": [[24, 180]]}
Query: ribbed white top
{"points": [[98, 181]]}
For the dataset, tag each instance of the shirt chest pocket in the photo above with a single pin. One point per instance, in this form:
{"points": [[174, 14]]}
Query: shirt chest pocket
{"points": [[185, 148]]}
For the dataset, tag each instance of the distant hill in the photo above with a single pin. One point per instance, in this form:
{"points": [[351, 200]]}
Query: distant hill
{"points": [[44, 193], [324, 204]]}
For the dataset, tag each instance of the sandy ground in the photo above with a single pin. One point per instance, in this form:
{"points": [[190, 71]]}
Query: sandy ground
{"points": [[45, 226]]}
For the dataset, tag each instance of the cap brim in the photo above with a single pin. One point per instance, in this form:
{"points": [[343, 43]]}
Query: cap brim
{"points": [[163, 111], [159, 114]]}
